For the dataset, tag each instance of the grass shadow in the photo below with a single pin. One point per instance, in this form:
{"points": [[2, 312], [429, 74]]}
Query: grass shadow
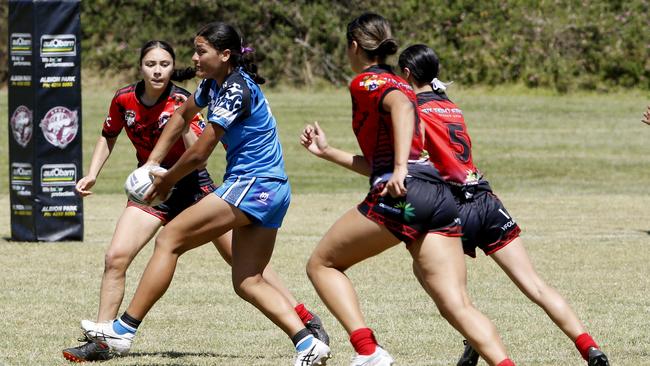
{"points": [[178, 355]]}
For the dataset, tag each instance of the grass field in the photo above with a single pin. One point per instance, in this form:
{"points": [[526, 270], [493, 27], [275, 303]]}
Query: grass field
{"points": [[572, 169]]}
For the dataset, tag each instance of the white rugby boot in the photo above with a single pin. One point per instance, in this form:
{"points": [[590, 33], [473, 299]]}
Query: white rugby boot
{"points": [[316, 354], [378, 358], [104, 333]]}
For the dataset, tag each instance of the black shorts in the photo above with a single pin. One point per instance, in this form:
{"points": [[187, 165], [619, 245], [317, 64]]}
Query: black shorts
{"points": [[428, 207], [187, 191], [486, 223]]}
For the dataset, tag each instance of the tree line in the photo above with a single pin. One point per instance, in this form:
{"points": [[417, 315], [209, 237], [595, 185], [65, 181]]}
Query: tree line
{"points": [[561, 44]]}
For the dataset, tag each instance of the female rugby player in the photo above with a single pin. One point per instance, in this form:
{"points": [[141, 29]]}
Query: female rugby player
{"points": [[143, 109], [252, 200], [408, 201], [486, 222]]}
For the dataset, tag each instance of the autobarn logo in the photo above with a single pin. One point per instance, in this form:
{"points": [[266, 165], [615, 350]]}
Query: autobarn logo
{"points": [[21, 173], [58, 45], [58, 175], [21, 125], [60, 126], [21, 44]]}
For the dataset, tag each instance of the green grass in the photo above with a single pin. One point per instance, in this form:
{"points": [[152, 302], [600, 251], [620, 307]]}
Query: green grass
{"points": [[572, 169]]}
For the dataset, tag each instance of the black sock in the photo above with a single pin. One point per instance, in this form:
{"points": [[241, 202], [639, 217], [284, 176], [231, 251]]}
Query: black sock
{"points": [[130, 321], [300, 335]]}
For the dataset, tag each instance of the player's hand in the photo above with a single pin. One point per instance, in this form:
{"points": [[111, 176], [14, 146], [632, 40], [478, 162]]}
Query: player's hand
{"points": [[84, 185], [314, 140], [160, 186], [646, 116], [395, 185]]}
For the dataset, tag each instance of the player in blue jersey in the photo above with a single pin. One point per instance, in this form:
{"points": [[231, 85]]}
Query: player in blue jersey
{"points": [[252, 200]]}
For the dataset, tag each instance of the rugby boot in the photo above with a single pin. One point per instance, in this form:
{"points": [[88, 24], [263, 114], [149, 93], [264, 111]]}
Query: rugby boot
{"points": [[316, 354], [315, 326], [378, 358], [106, 334], [89, 351], [597, 357], [469, 356]]}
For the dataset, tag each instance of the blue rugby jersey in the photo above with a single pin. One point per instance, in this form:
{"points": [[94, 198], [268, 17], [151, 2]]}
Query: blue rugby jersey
{"points": [[251, 138]]}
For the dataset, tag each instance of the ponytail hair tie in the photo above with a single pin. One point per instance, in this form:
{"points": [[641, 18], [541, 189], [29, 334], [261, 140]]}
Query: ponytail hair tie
{"points": [[245, 50], [438, 85]]}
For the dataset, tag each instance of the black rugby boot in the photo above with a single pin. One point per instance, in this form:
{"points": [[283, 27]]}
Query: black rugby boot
{"points": [[89, 351], [469, 357], [597, 357], [315, 326]]}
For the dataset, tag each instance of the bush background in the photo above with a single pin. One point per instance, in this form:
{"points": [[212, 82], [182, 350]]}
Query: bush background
{"points": [[565, 45]]}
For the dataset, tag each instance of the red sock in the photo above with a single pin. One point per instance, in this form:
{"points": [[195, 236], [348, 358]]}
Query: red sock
{"points": [[303, 313], [583, 343], [506, 362], [363, 341]]}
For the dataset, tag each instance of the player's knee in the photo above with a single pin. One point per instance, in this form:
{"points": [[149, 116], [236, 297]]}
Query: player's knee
{"points": [[116, 261], [314, 265], [168, 242], [453, 308], [245, 286]]}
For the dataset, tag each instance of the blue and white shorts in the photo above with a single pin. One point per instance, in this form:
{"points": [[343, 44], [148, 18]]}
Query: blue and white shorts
{"points": [[264, 200]]}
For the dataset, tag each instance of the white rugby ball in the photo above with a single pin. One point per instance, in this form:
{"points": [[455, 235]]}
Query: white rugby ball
{"points": [[139, 181]]}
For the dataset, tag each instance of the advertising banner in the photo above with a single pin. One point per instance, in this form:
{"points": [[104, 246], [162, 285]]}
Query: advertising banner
{"points": [[45, 120]]}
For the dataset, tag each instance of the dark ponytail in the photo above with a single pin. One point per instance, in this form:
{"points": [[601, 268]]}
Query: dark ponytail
{"points": [[421, 61], [222, 37], [183, 74], [178, 74], [372, 33]]}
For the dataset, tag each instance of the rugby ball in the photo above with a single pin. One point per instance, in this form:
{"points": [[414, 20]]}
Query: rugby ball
{"points": [[139, 181]]}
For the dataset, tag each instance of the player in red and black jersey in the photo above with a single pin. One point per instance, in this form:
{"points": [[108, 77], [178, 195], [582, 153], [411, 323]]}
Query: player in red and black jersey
{"points": [[486, 223], [408, 201], [143, 109]]}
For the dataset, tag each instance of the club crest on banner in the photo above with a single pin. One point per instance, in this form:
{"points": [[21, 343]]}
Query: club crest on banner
{"points": [[60, 126], [21, 125]]}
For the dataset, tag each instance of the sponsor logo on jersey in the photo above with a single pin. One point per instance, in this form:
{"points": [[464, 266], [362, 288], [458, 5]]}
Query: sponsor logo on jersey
{"points": [[200, 121], [60, 126], [129, 117], [58, 45], [58, 175], [372, 82], [21, 125], [438, 110], [164, 117], [21, 44], [179, 99]]}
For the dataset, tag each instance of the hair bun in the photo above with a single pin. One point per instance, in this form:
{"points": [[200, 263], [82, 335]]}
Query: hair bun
{"points": [[387, 47]]}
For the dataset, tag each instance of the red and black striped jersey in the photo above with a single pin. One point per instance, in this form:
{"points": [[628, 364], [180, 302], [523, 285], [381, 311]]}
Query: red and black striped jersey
{"points": [[372, 125], [446, 138], [144, 124]]}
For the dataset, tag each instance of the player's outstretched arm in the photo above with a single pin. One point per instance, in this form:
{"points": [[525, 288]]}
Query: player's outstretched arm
{"points": [[178, 124], [102, 151], [313, 139], [646, 116]]}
